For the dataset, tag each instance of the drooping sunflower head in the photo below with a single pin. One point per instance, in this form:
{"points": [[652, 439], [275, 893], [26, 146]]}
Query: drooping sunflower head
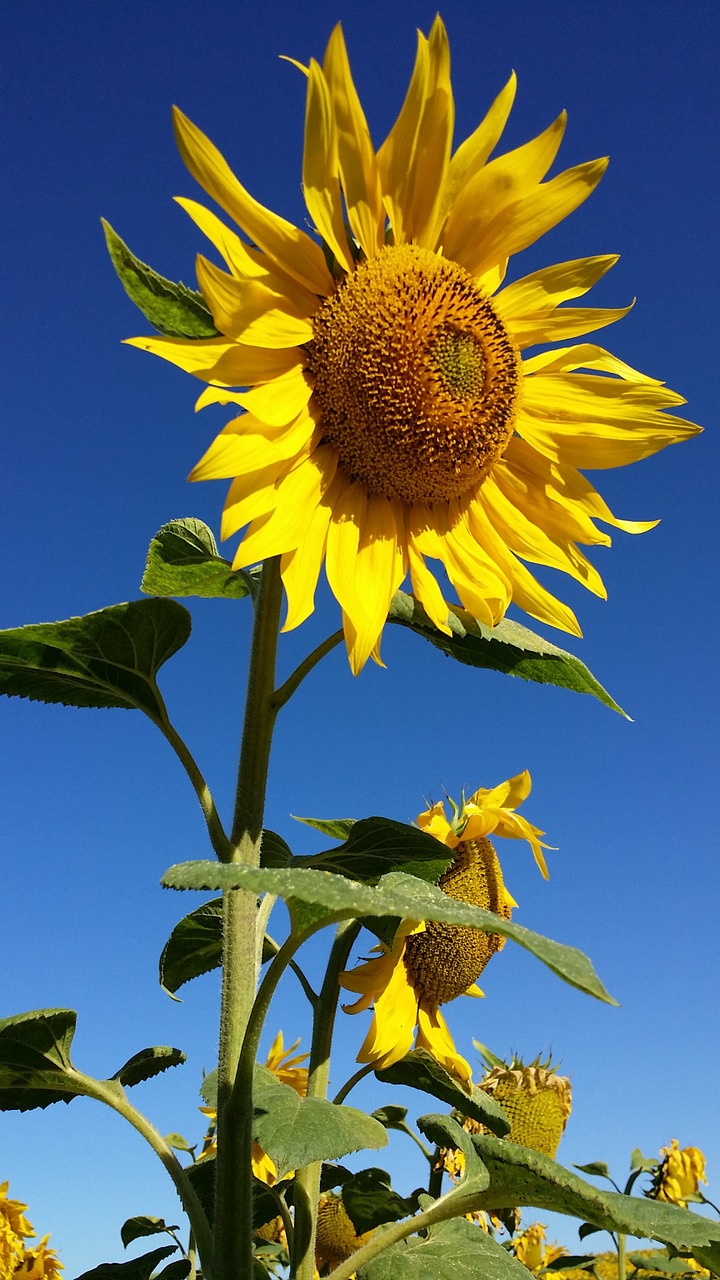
{"points": [[535, 1098], [679, 1175], [39, 1263], [388, 414], [336, 1238]]}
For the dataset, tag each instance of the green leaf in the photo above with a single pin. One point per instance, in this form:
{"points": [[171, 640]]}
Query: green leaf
{"points": [[396, 894], [451, 1250], [183, 560], [336, 828], [35, 1066], [296, 1131], [642, 1163], [175, 1270], [194, 946], [376, 846], [134, 1269], [519, 1176], [370, 1200], [446, 1133], [576, 1261], [420, 1070], [104, 659], [148, 1063], [134, 1228], [391, 1117], [508, 647], [274, 851], [202, 1176], [178, 1143], [172, 308], [661, 1264], [596, 1168]]}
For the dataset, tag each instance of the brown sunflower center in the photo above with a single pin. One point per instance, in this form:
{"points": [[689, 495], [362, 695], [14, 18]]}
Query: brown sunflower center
{"points": [[416, 378], [445, 959]]}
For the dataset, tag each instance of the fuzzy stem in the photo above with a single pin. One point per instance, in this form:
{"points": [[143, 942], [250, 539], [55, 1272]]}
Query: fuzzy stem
{"points": [[286, 690], [233, 1194], [307, 1180], [359, 1075], [621, 1265], [113, 1095], [218, 838]]}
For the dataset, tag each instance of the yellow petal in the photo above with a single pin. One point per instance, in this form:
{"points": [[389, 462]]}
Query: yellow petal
{"points": [[298, 494], [222, 360], [434, 822], [413, 159], [536, 544], [356, 155], [564, 322], [247, 444], [521, 224], [279, 401], [599, 445], [434, 1036], [494, 189], [250, 312], [473, 153], [548, 288], [291, 248], [321, 186], [379, 571], [426, 589], [526, 590], [343, 541], [300, 568], [531, 483]]}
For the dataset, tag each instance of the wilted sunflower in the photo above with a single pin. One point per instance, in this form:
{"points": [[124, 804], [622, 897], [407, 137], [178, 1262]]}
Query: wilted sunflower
{"points": [[431, 963], [14, 1230], [680, 1174], [388, 416]]}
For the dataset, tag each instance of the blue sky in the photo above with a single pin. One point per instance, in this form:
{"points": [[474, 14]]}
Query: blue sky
{"points": [[99, 441]]}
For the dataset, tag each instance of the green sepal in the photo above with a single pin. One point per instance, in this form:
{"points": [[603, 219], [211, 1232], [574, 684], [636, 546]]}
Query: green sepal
{"points": [[183, 560], [596, 1169], [134, 1269], [452, 1250], [171, 308], [376, 846], [296, 1131], [420, 1070], [519, 1176], [370, 1200], [148, 1063], [508, 647], [142, 1225], [333, 898], [105, 659], [336, 828]]}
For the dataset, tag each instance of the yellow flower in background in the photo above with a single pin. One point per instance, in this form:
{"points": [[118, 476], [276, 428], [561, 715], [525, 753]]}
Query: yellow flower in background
{"points": [[40, 1263], [388, 415], [680, 1174], [430, 963], [285, 1067], [14, 1230], [530, 1248]]}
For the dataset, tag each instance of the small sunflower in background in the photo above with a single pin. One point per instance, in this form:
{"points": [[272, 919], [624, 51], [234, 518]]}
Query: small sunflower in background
{"points": [[336, 1238], [430, 963], [389, 421], [535, 1098], [679, 1175], [285, 1066], [530, 1248]]}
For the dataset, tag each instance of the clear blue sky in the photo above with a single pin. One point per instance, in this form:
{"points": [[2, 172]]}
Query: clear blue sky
{"points": [[99, 439]]}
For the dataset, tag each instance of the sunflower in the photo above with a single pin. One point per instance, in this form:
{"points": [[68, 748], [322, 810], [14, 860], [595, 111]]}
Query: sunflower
{"points": [[430, 963], [679, 1176], [388, 415]]}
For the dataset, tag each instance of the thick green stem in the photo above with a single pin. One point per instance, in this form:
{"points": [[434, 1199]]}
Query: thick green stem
{"points": [[233, 1195], [307, 1180]]}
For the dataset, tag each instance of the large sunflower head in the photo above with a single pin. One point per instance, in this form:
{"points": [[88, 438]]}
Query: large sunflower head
{"points": [[431, 963], [388, 414]]}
